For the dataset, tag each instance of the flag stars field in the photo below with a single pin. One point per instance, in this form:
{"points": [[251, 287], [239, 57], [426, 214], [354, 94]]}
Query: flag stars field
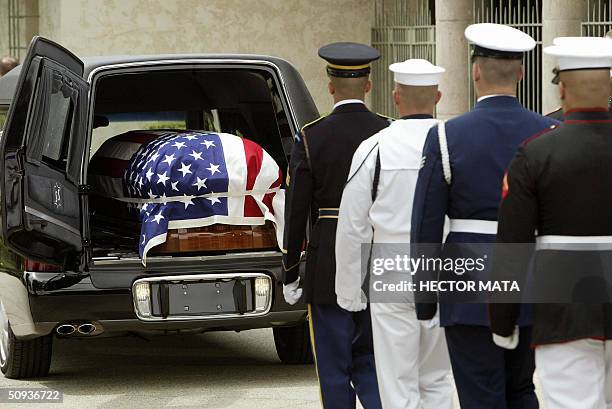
{"points": [[208, 144], [213, 169], [187, 200], [213, 199], [185, 169], [162, 178], [169, 159], [196, 155], [153, 157], [201, 183], [158, 217]]}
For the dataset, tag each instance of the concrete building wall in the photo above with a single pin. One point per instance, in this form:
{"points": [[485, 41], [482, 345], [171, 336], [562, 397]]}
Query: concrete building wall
{"points": [[559, 18], [4, 29], [452, 54], [291, 29]]}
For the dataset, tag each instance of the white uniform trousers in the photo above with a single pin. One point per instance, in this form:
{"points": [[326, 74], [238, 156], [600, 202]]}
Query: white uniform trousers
{"points": [[576, 375], [412, 363]]}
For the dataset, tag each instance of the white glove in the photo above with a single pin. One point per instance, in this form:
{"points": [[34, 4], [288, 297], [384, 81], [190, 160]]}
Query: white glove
{"points": [[433, 323], [357, 304], [510, 342], [291, 292]]}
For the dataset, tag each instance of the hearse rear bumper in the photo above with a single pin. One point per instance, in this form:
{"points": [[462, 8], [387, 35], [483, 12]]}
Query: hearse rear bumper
{"points": [[104, 297]]}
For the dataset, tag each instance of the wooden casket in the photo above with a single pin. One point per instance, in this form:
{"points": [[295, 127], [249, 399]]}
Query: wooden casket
{"points": [[117, 170], [217, 238]]}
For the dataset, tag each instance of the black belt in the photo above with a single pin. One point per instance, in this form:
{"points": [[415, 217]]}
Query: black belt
{"points": [[329, 213]]}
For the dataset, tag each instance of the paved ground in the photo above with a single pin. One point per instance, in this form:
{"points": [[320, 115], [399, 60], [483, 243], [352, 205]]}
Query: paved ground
{"points": [[216, 370]]}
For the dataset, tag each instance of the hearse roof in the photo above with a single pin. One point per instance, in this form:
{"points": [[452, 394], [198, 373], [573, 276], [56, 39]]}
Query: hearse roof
{"points": [[291, 77]]}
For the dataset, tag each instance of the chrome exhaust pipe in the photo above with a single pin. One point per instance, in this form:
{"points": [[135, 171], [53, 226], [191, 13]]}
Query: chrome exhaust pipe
{"points": [[86, 329], [65, 329]]}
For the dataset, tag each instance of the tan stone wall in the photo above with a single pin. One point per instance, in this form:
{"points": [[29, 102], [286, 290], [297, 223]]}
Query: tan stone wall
{"points": [[559, 18], [291, 29], [4, 31]]}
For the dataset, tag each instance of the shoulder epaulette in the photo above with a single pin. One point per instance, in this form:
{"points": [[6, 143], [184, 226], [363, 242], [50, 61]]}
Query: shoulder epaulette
{"points": [[314, 122]]}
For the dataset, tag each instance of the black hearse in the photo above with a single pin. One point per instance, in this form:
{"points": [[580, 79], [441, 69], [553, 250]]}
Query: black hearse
{"points": [[64, 272]]}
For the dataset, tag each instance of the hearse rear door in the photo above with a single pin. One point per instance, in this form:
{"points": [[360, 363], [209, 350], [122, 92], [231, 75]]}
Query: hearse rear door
{"points": [[41, 153]]}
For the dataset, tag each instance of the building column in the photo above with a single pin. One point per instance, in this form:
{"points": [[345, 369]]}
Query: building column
{"points": [[452, 17], [559, 18], [4, 28]]}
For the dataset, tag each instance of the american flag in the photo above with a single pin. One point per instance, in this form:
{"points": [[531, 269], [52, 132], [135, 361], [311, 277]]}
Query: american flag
{"points": [[195, 179]]}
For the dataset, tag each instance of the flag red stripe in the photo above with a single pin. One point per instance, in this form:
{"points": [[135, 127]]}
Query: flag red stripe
{"points": [[254, 157]]}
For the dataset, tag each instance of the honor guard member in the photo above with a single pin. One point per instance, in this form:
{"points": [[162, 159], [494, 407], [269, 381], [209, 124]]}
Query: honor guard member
{"points": [[558, 186], [464, 162], [412, 363], [318, 169], [558, 113]]}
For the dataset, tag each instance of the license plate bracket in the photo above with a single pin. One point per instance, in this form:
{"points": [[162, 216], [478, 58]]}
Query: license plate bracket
{"points": [[184, 298]]}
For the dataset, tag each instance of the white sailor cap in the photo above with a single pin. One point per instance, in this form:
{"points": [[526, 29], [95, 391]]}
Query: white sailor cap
{"points": [[498, 41], [417, 72], [581, 53]]}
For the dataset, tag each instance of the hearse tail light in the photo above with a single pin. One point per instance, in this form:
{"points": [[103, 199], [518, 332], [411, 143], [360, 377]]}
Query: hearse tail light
{"points": [[142, 295], [263, 293], [37, 267]]}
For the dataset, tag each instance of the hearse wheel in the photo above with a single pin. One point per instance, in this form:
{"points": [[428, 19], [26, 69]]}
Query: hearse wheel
{"points": [[23, 358], [293, 344]]}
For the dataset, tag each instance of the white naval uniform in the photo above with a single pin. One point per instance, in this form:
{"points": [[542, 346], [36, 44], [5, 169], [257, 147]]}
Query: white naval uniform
{"points": [[412, 362]]}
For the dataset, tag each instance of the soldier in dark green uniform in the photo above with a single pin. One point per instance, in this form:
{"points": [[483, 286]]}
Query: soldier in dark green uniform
{"points": [[318, 169]]}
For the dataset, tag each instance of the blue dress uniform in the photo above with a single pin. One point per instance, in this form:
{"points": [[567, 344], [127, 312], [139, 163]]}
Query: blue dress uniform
{"points": [[466, 186], [318, 169]]}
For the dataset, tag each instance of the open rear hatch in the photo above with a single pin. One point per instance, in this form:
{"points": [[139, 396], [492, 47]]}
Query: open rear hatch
{"points": [[245, 102]]}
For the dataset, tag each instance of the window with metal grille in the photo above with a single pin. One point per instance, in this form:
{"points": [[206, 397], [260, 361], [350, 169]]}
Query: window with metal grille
{"points": [[402, 30], [599, 18], [525, 15], [22, 25]]}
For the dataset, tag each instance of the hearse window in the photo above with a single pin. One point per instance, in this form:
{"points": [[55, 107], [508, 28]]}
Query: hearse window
{"points": [[113, 124], [58, 127], [240, 101]]}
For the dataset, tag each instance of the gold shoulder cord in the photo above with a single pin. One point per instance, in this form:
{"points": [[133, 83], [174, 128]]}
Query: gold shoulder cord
{"points": [[306, 149], [304, 138]]}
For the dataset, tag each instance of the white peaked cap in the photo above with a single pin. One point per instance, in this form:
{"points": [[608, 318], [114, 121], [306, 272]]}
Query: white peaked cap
{"points": [[576, 53], [417, 72], [499, 37]]}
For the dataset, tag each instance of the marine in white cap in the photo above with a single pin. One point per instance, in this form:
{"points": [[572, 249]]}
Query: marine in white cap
{"points": [[558, 189], [412, 363], [558, 113], [464, 162]]}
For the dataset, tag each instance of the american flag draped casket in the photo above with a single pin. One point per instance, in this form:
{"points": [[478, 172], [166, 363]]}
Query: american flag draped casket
{"points": [[189, 179]]}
